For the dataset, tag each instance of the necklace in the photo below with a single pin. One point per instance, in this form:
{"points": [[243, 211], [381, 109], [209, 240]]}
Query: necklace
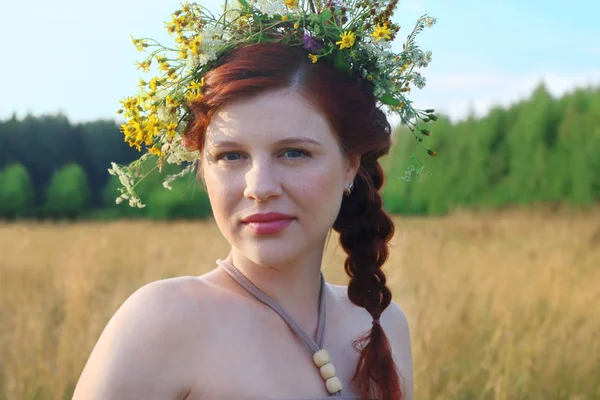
{"points": [[320, 356]]}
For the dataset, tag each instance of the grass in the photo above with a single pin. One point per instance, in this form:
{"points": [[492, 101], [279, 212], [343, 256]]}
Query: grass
{"points": [[501, 305]]}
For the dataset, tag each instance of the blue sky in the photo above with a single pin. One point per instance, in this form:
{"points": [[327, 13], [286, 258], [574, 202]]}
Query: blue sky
{"points": [[76, 57]]}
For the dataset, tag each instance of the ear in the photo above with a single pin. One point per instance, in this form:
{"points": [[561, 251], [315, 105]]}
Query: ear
{"points": [[352, 166]]}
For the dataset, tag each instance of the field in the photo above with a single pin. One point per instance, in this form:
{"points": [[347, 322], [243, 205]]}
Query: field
{"points": [[502, 305]]}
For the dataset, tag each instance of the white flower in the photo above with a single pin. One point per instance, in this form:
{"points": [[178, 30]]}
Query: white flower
{"points": [[163, 114], [171, 178], [429, 21], [271, 7], [176, 153], [192, 61]]}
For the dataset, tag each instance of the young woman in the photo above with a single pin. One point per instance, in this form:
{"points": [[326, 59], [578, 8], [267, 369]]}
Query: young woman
{"points": [[279, 108], [289, 150]]}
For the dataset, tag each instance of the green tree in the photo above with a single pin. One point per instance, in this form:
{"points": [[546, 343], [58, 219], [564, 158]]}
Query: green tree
{"points": [[16, 192], [68, 193], [185, 201]]}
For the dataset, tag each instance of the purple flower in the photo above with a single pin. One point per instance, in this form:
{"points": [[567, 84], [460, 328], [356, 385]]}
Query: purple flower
{"points": [[311, 44]]}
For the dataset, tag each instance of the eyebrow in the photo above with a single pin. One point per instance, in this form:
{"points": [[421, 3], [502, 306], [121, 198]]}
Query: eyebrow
{"points": [[293, 140]]}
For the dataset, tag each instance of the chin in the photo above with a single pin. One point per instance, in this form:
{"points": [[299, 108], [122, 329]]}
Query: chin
{"points": [[277, 252]]}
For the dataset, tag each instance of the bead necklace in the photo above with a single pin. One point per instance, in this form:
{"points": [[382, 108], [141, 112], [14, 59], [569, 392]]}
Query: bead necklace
{"points": [[320, 356]]}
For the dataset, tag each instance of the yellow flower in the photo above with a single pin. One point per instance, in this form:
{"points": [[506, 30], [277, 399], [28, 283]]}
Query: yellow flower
{"points": [[171, 102], [154, 84], [138, 43], [193, 85], [296, 25], [156, 150], [145, 65], [172, 129], [193, 96], [381, 32], [284, 18], [164, 66], [291, 4], [243, 20], [369, 77], [347, 40], [195, 45], [313, 58]]}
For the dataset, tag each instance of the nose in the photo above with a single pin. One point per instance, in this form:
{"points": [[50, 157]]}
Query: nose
{"points": [[262, 181]]}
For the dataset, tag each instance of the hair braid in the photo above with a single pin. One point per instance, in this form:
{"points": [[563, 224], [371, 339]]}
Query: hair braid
{"points": [[365, 230]]}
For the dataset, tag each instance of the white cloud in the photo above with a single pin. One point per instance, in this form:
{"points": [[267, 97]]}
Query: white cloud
{"points": [[457, 94]]}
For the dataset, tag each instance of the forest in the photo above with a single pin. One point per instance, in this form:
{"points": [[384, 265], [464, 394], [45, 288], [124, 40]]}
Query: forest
{"points": [[541, 150]]}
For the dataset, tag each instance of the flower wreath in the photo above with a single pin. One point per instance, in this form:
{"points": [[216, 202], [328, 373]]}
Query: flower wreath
{"points": [[354, 38]]}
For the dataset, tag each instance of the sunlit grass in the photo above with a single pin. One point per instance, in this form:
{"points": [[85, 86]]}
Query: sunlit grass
{"points": [[501, 305]]}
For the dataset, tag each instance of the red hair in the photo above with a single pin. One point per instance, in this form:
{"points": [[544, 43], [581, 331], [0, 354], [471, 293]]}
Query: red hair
{"points": [[362, 129]]}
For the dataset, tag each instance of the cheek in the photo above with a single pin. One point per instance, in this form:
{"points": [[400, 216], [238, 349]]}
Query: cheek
{"points": [[320, 192], [219, 195]]}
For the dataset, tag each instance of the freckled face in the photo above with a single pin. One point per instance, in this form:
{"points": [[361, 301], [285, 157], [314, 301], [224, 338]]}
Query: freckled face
{"points": [[275, 153]]}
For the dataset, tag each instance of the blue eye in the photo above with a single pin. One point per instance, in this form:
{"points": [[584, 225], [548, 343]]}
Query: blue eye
{"points": [[227, 156], [297, 153]]}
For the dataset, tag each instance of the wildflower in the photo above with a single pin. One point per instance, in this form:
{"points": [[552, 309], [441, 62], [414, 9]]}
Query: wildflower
{"points": [[139, 43], [347, 41], [193, 85], [311, 44], [296, 25], [429, 22], [291, 4], [172, 129], [193, 95], [284, 18], [154, 83], [145, 65], [156, 151], [313, 58], [195, 45], [381, 32], [171, 102]]}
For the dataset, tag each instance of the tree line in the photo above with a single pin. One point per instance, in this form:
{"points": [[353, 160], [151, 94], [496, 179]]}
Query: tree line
{"points": [[539, 150]]}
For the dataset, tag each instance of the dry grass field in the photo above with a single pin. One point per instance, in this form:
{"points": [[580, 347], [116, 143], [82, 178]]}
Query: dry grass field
{"points": [[502, 305]]}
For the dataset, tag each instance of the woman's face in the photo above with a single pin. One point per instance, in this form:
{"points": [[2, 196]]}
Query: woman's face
{"points": [[275, 153]]}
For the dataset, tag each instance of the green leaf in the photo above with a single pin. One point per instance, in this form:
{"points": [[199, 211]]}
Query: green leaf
{"points": [[325, 15], [341, 63], [389, 100], [244, 3]]}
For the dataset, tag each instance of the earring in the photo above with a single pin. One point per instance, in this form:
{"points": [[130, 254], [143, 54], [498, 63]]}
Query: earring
{"points": [[348, 191]]}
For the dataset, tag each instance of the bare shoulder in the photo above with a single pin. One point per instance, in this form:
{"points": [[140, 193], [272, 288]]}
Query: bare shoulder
{"points": [[398, 332], [138, 355], [395, 324]]}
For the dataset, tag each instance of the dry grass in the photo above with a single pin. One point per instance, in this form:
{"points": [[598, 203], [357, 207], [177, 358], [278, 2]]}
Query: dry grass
{"points": [[501, 305]]}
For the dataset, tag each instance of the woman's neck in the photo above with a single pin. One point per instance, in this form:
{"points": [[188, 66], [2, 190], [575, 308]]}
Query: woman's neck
{"points": [[294, 284]]}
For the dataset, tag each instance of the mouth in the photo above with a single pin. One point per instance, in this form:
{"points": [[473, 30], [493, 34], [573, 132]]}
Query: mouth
{"points": [[265, 228], [269, 223]]}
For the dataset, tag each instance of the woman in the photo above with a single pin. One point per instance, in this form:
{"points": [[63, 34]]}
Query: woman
{"points": [[287, 148]]}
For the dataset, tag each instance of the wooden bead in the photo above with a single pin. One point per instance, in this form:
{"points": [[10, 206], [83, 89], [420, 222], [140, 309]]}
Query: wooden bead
{"points": [[333, 384], [327, 371], [321, 358]]}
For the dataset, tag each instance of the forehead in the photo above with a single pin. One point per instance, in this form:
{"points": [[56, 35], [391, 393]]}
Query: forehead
{"points": [[270, 116]]}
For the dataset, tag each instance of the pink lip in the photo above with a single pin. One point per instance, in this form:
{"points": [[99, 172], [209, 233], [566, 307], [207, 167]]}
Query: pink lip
{"points": [[268, 223]]}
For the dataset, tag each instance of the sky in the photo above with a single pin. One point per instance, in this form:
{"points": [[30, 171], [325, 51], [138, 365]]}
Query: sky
{"points": [[76, 57]]}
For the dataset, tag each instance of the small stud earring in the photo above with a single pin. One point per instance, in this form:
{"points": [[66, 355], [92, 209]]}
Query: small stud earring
{"points": [[348, 191]]}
